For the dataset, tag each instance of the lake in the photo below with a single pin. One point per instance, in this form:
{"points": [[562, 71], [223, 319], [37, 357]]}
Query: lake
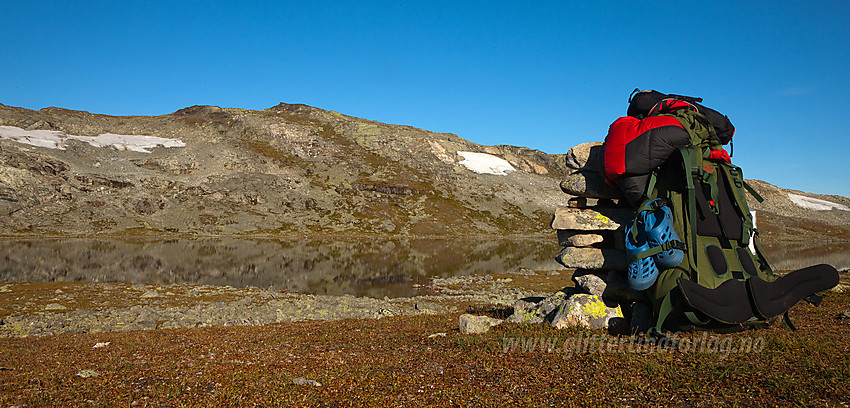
{"points": [[362, 267]]}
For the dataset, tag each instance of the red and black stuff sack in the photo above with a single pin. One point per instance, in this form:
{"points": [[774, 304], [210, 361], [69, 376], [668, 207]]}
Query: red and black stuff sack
{"points": [[638, 143]]}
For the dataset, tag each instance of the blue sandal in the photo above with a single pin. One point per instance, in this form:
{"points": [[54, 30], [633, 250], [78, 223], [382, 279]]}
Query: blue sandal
{"points": [[642, 272], [659, 230]]}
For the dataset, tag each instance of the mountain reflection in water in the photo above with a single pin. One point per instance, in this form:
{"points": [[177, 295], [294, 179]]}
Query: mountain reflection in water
{"points": [[362, 267], [789, 256]]}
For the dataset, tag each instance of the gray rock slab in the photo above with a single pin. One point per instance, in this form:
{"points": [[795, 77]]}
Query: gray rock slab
{"points": [[592, 258], [590, 184], [578, 238], [586, 156], [590, 219]]}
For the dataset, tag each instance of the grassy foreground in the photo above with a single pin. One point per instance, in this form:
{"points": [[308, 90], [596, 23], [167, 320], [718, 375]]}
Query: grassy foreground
{"points": [[425, 361]]}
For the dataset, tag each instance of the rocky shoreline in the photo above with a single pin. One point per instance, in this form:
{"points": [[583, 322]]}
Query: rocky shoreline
{"points": [[38, 309]]}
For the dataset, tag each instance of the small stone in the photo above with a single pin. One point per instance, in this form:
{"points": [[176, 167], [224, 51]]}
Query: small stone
{"points": [[5, 288], [591, 219], [54, 306], [592, 258], [591, 283], [521, 270], [304, 381], [470, 324], [101, 345], [587, 311], [839, 288], [577, 202], [87, 373], [150, 294], [429, 308], [435, 335]]}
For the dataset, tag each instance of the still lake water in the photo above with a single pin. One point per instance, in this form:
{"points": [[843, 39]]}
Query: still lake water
{"points": [[362, 267]]}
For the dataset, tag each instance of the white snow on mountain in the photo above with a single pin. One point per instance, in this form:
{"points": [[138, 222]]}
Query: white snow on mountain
{"points": [[815, 204], [486, 163], [56, 140]]}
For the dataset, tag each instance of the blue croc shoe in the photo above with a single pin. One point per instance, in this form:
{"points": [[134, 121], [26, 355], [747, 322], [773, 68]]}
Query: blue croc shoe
{"points": [[643, 272], [658, 225]]}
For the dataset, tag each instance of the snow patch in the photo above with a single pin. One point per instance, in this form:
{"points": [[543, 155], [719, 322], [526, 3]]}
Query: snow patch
{"points": [[486, 163], [53, 139], [815, 204]]}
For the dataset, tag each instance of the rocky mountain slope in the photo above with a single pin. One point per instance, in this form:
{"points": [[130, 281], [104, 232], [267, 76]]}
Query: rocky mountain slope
{"points": [[286, 170], [294, 170]]}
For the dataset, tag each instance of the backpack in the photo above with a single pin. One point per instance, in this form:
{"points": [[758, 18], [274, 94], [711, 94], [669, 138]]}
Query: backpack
{"points": [[716, 281]]}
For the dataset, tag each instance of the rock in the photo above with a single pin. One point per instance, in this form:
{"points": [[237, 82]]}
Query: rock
{"points": [[526, 311], [54, 306], [839, 288], [521, 270], [586, 156], [578, 238], [592, 258], [589, 184], [642, 319], [304, 381], [429, 308], [537, 309], [87, 373], [577, 202], [470, 324], [150, 294], [5, 288], [586, 311], [587, 219], [591, 283]]}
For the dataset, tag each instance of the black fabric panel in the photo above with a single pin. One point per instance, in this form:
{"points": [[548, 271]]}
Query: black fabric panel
{"points": [[747, 261], [728, 224], [730, 217], [728, 303], [652, 148], [774, 298], [633, 187], [717, 260], [708, 224]]}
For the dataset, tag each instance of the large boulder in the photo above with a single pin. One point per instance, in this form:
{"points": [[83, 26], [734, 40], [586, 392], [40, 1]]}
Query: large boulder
{"points": [[586, 311], [471, 324]]}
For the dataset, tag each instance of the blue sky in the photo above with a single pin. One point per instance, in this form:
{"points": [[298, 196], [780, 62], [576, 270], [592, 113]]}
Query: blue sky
{"points": [[546, 75]]}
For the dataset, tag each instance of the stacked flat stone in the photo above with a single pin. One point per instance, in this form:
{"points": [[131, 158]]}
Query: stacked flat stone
{"points": [[590, 227]]}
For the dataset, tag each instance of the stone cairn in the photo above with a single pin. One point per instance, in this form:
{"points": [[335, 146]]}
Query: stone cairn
{"points": [[590, 230]]}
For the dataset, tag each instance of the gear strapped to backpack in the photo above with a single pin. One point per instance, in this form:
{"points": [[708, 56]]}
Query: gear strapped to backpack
{"points": [[689, 245]]}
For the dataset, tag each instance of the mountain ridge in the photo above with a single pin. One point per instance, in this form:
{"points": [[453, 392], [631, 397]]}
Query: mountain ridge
{"points": [[290, 170]]}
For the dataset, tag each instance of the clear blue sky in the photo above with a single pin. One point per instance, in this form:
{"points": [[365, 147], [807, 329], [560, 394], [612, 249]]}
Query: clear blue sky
{"points": [[546, 75]]}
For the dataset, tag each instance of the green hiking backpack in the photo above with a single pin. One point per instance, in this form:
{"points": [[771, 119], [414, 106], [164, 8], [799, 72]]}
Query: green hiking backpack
{"points": [[720, 284]]}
